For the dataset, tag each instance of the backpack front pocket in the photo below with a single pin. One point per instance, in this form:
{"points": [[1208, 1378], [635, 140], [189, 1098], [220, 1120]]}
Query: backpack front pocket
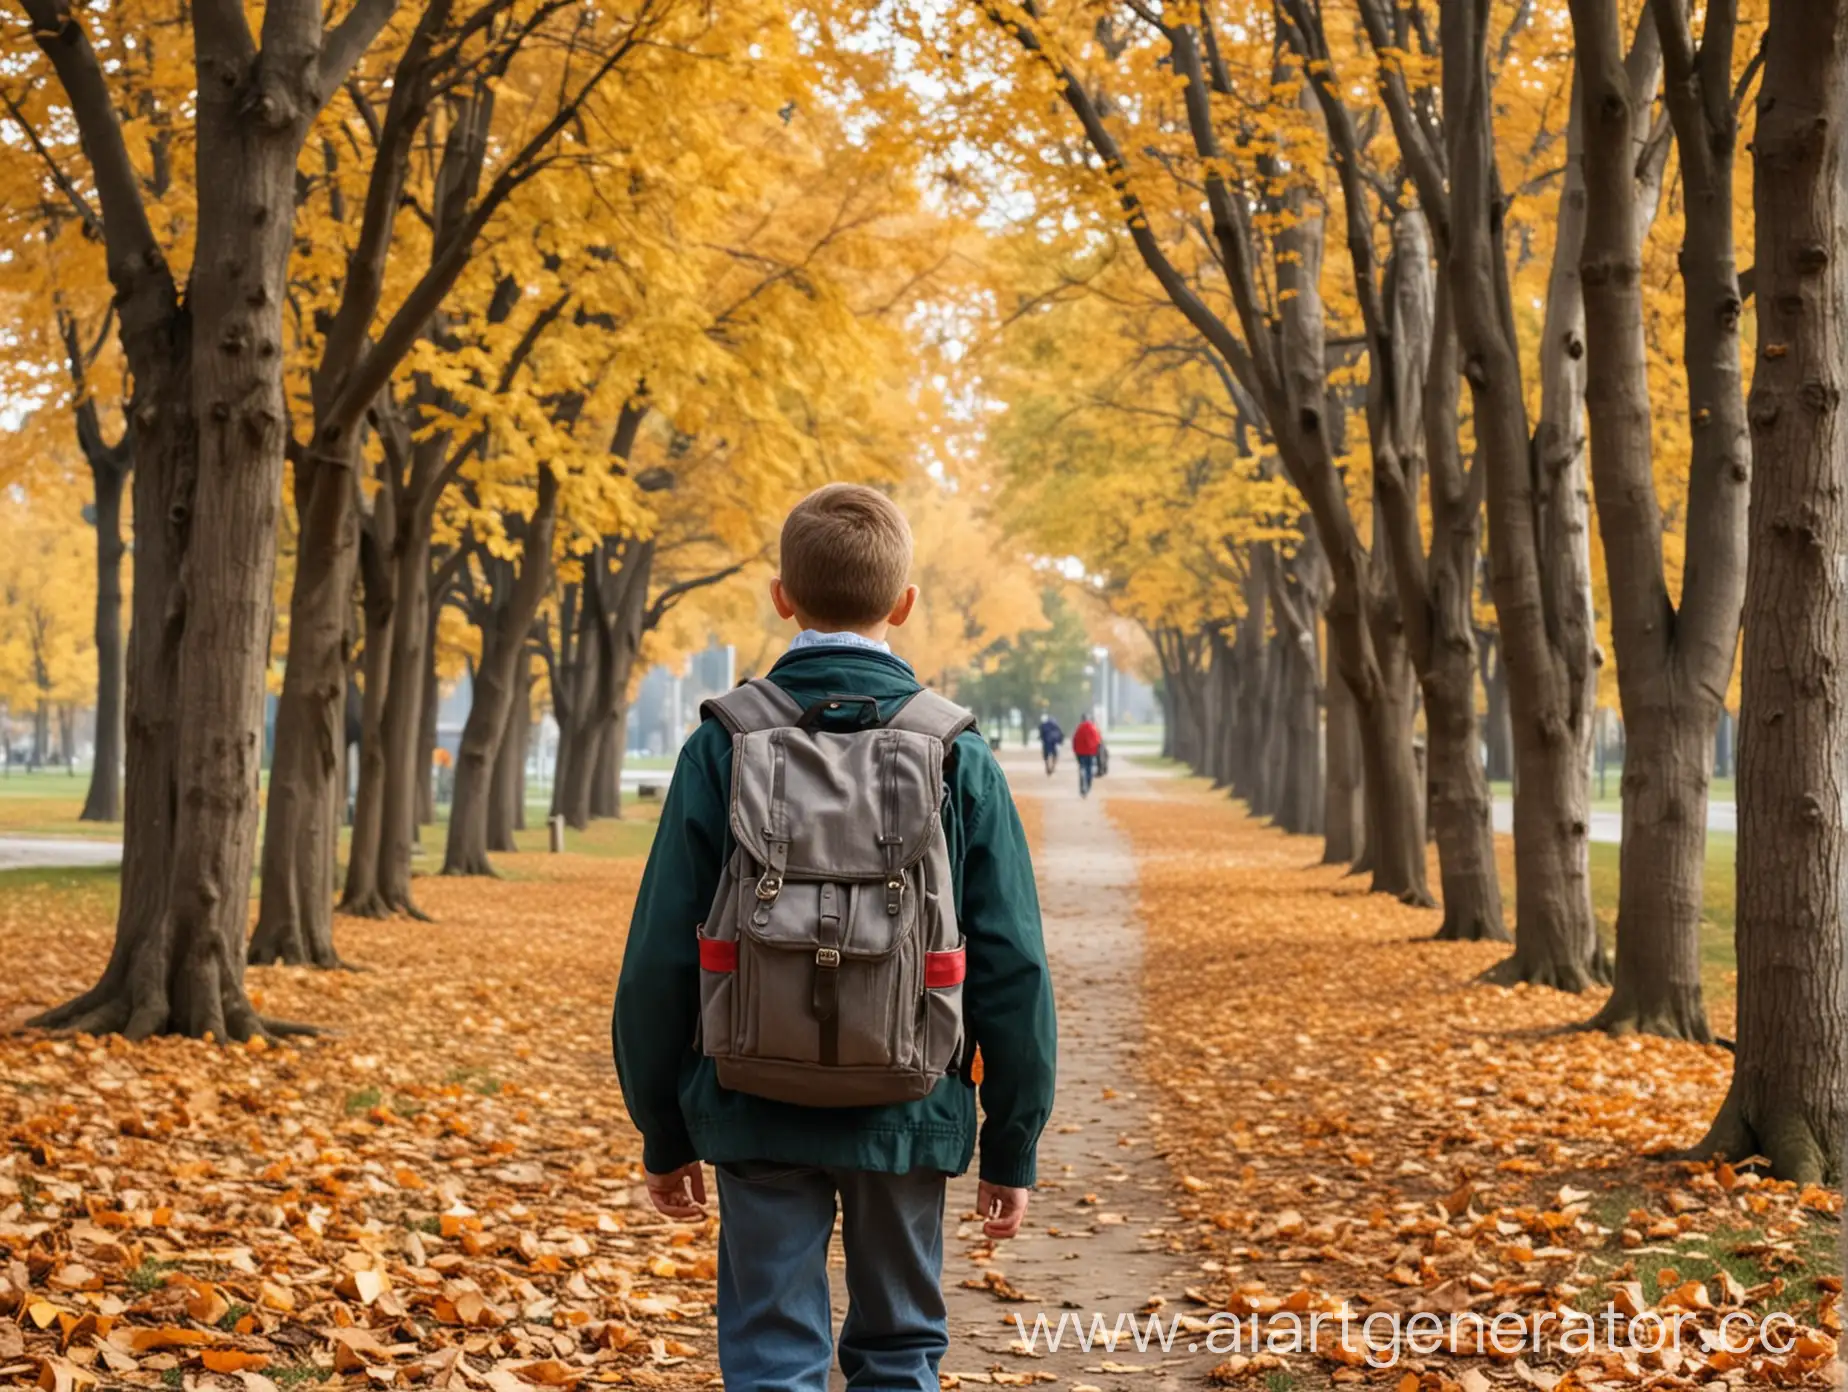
{"points": [[824, 974]]}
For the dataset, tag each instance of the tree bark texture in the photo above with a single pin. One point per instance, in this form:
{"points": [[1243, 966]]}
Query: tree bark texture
{"points": [[1536, 510], [110, 471], [507, 792], [1673, 662], [498, 681], [1789, 1096]]}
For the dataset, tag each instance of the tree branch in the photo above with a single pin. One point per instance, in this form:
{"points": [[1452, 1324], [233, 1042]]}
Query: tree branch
{"points": [[346, 43], [128, 236], [455, 249]]}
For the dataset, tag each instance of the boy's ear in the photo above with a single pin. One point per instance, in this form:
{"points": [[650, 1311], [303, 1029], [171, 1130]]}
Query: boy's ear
{"points": [[902, 610], [780, 598]]}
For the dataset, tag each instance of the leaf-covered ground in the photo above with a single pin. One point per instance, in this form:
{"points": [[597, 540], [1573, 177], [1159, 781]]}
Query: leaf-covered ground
{"points": [[1360, 1121], [439, 1195], [443, 1193]]}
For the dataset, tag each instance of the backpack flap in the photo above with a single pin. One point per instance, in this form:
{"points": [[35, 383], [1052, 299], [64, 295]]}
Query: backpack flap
{"points": [[881, 791]]}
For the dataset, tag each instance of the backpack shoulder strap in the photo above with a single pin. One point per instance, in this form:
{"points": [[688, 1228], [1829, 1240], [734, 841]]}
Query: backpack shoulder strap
{"points": [[759, 704], [927, 713]]}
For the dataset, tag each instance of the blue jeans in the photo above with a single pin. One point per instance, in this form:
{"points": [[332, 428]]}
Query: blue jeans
{"points": [[776, 1332], [1087, 769]]}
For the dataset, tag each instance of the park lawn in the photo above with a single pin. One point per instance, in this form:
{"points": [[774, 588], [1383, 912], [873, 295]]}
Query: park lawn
{"points": [[1606, 796], [1719, 959], [46, 803]]}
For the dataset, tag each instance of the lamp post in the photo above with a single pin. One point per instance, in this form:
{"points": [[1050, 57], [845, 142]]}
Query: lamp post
{"points": [[1102, 654]]}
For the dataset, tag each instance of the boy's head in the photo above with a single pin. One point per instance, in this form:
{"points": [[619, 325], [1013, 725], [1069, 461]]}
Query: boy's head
{"points": [[846, 562]]}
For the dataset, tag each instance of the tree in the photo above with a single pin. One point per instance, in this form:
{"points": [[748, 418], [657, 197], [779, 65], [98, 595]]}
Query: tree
{"points": [[1674, 661], [1789, 1095], [1412, 431], [1535, 515], [465, 59], [209, 414], [1120, 448], [1275, 356]]}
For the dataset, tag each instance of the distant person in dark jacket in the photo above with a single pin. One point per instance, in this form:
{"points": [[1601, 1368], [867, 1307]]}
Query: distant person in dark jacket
{"points": [[1051, 737], [1086, 741]]}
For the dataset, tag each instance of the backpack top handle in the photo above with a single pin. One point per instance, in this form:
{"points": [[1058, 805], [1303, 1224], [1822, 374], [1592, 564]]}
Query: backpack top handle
{"points": [[810, 719]]}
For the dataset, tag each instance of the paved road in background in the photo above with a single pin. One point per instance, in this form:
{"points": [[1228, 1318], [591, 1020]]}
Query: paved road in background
{"points": [[51, 853], [1608, 826]]}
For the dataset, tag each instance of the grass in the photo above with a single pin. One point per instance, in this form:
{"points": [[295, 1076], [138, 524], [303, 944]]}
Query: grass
{"points": [[1719, 962], [46, 803], [363, 1101], [151, 1275], [1747, 1253], [33, 811], [475, 1080], [299, 1375], [1607, 796]]}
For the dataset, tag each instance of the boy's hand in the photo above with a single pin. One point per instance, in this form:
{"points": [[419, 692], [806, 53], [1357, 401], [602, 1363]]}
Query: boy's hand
{"points": [[1002, 1208], [679, 1193]]}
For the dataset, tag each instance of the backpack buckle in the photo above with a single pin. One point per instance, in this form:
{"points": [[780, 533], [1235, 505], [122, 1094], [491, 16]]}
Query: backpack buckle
{"points": [[827, 957], [769, 886], [895, 889]]}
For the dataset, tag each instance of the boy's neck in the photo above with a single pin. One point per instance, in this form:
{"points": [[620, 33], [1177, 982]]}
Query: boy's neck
{"points": [[873, 633]]}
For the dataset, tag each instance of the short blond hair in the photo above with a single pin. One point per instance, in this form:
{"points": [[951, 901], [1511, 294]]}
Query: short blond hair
{"points": [[846, 555]]}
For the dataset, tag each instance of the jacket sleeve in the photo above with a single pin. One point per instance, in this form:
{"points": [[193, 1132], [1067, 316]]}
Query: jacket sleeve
{"points": [[657, 995], [1007, 995]]}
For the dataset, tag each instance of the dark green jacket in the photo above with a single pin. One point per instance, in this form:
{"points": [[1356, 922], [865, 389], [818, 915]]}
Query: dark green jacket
{"points": [[672, 1092]]}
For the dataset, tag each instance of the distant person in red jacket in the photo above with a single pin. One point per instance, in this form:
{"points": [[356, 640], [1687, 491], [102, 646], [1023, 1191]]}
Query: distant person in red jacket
{"points": [[1085, 743]]}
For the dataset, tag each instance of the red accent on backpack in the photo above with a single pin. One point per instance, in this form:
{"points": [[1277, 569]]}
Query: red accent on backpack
{"points": [[944, 968]]}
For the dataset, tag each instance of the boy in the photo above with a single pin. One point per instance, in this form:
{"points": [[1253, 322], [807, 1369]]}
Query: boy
{"points": [[781, 1167]]}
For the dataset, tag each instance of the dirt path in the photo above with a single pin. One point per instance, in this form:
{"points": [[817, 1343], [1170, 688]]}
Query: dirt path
{"points": [[1098, 1235]]}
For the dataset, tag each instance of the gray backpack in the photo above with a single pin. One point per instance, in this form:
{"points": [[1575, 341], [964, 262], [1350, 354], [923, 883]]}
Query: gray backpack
{"points": [[831, 964]]}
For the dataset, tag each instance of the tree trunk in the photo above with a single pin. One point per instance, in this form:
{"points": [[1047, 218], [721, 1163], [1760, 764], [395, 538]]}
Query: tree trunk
{"points": [[103, 802], [1441, 631], [361, 893], [507, 795], [1344, 814], [209, 416], [1460, 804], [500, 681], [1267, 789], [1395, 790], [1221, 697], [1300, 808], [1538, 539], [1253, 648], [1789, 1096], [1497, 731], [579, 771], [606, 782], [295, 917], [1663, 859], [1164, 693], [404, 702], [427, 709], [1674, 662]]}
